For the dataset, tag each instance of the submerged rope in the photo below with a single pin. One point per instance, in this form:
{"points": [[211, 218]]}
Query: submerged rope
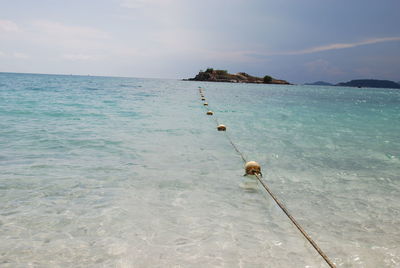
{"points": [[278, 202], [236, 148], [284, 209]]}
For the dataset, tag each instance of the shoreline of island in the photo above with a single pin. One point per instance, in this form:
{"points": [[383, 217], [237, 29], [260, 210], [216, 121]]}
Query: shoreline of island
{"points": [[211, 75]]}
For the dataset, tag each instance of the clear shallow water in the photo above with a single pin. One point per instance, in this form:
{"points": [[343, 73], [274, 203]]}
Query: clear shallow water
{"points": [[123, 172]]}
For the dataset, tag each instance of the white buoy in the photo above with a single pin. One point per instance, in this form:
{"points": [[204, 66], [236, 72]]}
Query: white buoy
{"points": [[210, 113], [252, 168], [221, 128], [205, 104]]}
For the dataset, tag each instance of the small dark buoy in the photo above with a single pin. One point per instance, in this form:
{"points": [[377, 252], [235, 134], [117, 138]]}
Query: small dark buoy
{"points": [[210, 113], [221, 128], [203, 99], [252, 168], [205, 104]]}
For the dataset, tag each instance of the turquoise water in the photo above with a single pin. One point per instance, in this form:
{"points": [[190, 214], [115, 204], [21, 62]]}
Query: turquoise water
{"points": [[124, 172]]}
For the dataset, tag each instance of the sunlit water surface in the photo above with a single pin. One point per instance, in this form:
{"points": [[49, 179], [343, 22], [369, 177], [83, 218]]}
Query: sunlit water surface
{"points": [[124, 172]]}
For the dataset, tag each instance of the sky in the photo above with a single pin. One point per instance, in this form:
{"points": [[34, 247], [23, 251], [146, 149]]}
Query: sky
{"points": [[296, 40]]}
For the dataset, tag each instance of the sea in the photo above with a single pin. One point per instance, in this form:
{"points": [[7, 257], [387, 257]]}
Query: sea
{"points": [[129, 172]]}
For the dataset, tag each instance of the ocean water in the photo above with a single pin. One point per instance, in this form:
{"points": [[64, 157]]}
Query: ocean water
{"points": [[125, 172]]}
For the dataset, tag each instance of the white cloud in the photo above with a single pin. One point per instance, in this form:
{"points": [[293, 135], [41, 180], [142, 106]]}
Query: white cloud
{"points": [[142, 3], [339, 46], [8, 26], [15, 55], [321, 66], [366, 71], [184, 43], [132, 3], [20, 55], [57, 40], [70, 40], [54, 35], [231, 55], [80, 57], [56, 29]]}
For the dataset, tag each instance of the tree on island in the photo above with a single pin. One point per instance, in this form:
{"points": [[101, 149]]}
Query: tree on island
{"points": [[267, 79]]}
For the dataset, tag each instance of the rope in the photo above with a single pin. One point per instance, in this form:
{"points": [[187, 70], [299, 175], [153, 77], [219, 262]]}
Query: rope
{"points": [[236, 148], [279, 203]]}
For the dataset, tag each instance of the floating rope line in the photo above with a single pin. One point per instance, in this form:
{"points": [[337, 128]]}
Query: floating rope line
{"points": [[277, 201]]}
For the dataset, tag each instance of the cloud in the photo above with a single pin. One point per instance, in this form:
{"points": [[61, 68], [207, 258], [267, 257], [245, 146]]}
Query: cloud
{"points": [[57, 41], [339, 46], [142, 3], [15, 55], [19, 55], [132, 3], [8, 26], [365, 71], [46, 33], [56, 29], [74, 42], [321, 66], [80, 57]]}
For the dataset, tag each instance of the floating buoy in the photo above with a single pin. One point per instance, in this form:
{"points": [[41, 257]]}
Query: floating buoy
{"points": [[205, 104], [221, 128], [203, 99], [252, 168], [210, 113]]}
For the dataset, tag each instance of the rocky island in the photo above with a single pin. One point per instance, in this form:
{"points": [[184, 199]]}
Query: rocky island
{"points": [[211, 75]]}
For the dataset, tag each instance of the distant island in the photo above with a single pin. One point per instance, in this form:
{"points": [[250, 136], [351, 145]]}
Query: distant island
{"points": [[211, 75], [361, 83], [370, 83], [319, 83]]}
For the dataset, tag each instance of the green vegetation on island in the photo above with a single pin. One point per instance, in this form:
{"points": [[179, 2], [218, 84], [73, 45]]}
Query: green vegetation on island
{"points": [[212, 75]]}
